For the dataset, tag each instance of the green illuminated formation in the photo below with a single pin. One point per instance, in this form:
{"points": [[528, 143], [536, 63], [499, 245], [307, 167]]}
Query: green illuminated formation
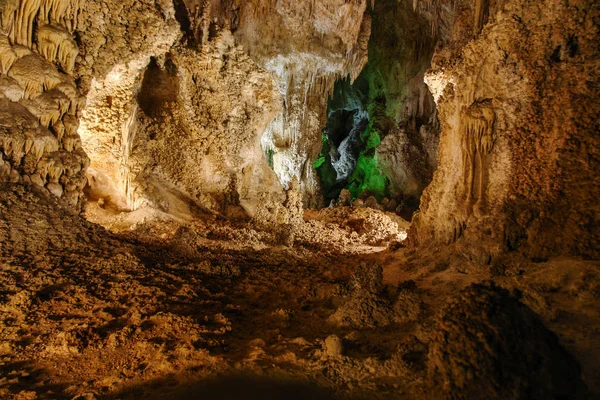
{"points": [[380, 92], [364, 94], [367, 175]]}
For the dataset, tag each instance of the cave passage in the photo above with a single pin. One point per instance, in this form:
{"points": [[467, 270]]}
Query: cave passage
{"points": [[382, 131], [347, 159]]}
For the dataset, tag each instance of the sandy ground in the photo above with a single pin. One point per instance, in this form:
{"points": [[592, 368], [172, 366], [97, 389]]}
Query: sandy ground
{"points": [[173, 309]]}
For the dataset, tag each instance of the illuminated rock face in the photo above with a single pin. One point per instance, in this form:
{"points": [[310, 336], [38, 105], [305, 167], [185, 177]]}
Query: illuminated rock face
{"points": [[511, 168], [307, 46], [39, 101], [245, 84], [207, 138]]}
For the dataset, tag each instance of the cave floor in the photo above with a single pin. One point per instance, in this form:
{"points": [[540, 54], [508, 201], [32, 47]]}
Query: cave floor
{"points": [[158, 311]]}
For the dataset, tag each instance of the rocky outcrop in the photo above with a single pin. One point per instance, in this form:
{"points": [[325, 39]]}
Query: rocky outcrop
{"points": [[118, 40], [488, 344], [517, 144], [199, 126]]}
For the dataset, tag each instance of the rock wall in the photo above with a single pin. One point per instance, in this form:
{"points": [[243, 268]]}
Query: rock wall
{"points": [[199, 124], [118, 40], [200, 144], [516, 84], [39, 100]]}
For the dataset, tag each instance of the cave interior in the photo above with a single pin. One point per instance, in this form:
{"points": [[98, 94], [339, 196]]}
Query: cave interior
{"points": [[334, 199]]}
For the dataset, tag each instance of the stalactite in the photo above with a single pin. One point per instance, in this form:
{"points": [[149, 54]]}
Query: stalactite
{"points": [[76, 101], [56, 42], [67, 55], [34, 74], [23, 29], [71, 15], [53, 10], [7, 13], [71, 124], [36, 99], [59, 130], [49, 38], [71, 142], [7, 55], [29, 75], [477, 135], [20, 20], [45, 111], [482, 9]]}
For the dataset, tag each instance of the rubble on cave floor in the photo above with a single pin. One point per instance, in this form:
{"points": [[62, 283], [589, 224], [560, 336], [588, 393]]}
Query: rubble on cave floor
{"points": [[162, 310]]}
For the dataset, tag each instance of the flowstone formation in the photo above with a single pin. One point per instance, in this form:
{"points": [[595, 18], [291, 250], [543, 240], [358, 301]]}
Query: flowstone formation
{"points": [[39, 101], [510, 175]]}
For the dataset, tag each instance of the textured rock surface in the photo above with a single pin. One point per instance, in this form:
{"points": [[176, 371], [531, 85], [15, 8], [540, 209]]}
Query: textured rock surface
{"points": [[517, 146], [168, 306], [487, 344], [39, 100], [199, 125], [207, 72], [307, 46], [189, 101]]}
